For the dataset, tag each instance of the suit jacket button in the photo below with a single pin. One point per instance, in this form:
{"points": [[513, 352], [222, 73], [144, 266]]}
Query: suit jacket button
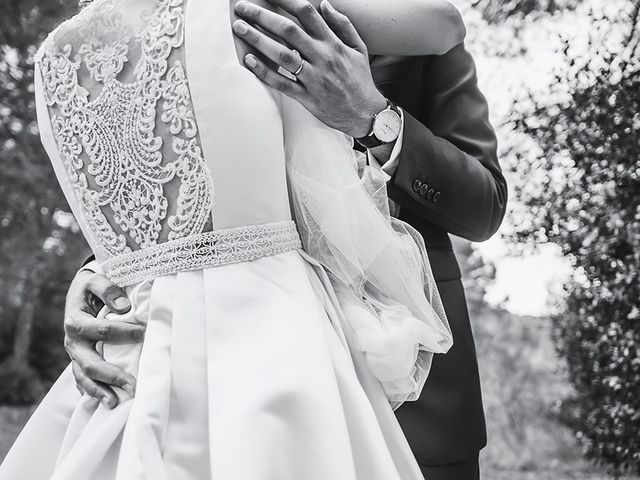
{"points": [[436, 197], [430, 194], [416, 185], [424, 189]]}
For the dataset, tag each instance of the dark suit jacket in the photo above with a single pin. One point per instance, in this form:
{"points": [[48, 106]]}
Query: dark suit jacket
{"points": [[448, 180]]}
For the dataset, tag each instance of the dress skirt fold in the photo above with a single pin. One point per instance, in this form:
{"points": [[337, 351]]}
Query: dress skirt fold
{"points": [[245, 372]]}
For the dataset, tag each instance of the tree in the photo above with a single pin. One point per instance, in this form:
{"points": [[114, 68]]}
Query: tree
{"points": [[494, 11], [36, 247], [582, 191]]}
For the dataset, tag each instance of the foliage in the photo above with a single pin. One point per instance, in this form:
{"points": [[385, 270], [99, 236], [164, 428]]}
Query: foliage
{"points": [[583, 192], [38, 244], [495, 11]]}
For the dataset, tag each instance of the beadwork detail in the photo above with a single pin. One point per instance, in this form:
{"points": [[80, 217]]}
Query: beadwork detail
{"points": [[139, 181], [209, 249]]}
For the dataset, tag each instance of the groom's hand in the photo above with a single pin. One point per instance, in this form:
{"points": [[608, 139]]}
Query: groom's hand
{"points": [[87, 294], [334, 82]]}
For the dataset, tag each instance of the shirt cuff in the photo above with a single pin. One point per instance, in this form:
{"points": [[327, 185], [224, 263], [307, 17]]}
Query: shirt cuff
{"points": [[391, 165]]}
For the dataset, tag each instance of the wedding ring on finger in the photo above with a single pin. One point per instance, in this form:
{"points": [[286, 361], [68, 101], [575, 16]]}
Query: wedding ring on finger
{"points": [[300, 68], [294, 75]]}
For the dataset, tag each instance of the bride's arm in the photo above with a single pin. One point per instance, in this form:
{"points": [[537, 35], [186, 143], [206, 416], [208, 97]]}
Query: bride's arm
{"points": [[404, 27]]}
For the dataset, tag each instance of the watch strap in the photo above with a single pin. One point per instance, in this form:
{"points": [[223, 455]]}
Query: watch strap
{"points": [[371, 140]]}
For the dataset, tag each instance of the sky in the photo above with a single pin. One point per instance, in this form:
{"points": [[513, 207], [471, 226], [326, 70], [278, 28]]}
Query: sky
{"points": [[525, 285]]}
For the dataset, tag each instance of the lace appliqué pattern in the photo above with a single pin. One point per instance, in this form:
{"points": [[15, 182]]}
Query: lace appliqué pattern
{"points": [[110, 147], [220, 247]]}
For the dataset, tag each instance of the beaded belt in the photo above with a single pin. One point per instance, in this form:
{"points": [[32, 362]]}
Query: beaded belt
{"points": [[220, 247]]}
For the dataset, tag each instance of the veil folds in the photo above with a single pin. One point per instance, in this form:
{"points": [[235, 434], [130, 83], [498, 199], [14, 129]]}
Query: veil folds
{"points": [[378, 264]]}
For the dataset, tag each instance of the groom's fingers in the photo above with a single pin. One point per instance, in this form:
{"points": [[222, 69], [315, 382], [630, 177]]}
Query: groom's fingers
{"points": [[283, 28], [278, 53], [342, 27], [79, 324], [91, 365], [273, 79], [111, 295], [94, 389], [306, 14]]}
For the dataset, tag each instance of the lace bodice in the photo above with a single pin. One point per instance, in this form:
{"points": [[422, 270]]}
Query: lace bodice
{"points": [[143, 143]]}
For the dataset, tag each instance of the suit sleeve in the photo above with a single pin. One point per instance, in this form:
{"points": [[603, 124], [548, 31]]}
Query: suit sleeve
{"points": [[448, 171], [90, 264]]}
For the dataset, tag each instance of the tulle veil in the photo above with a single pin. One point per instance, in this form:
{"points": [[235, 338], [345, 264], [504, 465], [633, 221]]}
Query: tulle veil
{"points": [[378, 264]]}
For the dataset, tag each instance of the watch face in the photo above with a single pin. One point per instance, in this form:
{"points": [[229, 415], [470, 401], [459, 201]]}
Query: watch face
{"points": [[387, 126]]}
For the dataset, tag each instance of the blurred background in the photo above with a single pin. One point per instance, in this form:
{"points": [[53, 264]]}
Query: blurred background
{"points": [[554, 297]]}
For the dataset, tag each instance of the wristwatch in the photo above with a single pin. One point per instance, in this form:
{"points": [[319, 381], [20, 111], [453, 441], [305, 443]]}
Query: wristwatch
{"points": [[385, 129]]}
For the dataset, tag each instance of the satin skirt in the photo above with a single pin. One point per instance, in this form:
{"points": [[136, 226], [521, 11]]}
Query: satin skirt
{"points": [[245, 373]]}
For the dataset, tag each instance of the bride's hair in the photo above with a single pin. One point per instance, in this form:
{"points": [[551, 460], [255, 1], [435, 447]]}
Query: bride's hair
{"points": [[84, 3]]}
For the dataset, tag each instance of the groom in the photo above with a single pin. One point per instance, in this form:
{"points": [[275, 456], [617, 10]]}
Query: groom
{"points": [[424, 121]]}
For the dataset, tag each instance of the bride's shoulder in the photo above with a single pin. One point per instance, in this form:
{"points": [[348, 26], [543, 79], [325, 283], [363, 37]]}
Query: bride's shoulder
{"points": [[101, 22]]}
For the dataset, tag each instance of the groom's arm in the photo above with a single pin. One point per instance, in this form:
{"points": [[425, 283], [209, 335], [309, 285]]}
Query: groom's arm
{"points": [[88, 292], [447, 170]]}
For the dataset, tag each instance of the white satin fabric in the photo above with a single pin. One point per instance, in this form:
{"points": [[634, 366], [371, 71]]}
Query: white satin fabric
{"points": [[244, 374], [246, 370]]}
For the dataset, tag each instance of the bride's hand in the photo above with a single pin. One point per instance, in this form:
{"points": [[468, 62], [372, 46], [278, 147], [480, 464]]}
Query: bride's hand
{"points": [[94, 376], [334, 80]]}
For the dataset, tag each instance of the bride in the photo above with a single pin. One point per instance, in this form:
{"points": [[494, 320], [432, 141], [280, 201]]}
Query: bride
{"points": [[286, 312]]}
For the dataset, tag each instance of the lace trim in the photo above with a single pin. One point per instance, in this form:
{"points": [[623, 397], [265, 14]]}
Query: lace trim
{"points": [[220, 247]]}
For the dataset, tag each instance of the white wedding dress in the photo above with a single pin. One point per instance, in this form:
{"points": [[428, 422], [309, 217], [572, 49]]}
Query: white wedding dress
{"points": [[171, 156]]}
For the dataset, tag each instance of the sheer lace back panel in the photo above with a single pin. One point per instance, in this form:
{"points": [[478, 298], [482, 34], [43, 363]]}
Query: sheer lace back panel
{"points": [[115, 82], [121, 102]]}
